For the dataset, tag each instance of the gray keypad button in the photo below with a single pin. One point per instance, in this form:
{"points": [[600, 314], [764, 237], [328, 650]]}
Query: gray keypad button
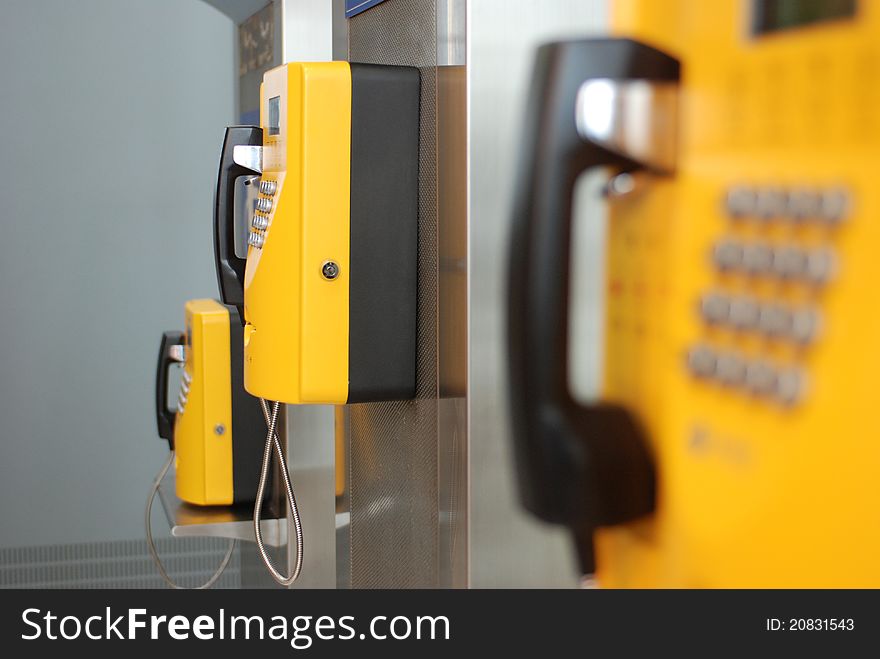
{"points": [[715, 308], [744, 313], [774, 320], [730, 369], [803, 204], [771, 203], [701, 361], [804, 325], [834, 205], [760, 378], [820, 265], [740, 202], [757, 258], [789, 262], [727, 255], [790, 386]]}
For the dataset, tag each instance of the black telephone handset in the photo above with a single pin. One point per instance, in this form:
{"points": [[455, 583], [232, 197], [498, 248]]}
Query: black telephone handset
{"points": [[230, 268], [164, 417], [583, 466]]}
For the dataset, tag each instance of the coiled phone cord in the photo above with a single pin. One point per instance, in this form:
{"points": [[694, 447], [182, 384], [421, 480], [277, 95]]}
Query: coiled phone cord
{"points": [[151, 545], [272, 439]]}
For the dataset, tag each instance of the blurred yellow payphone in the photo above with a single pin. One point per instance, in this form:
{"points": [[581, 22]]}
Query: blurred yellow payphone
{"points": [[214, 429], [735, 442]]}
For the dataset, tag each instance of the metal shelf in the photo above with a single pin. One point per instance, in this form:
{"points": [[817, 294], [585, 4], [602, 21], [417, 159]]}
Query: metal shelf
{"points": [[187, 520]]}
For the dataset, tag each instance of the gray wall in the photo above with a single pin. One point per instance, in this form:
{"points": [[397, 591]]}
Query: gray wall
{"points": [[112, 119]]}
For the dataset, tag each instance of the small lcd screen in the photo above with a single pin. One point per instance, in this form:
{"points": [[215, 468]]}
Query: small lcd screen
{"points": [[775, 15], [274, 115]]}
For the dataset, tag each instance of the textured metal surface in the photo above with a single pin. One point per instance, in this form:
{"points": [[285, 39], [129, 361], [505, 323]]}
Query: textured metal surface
{"points": [[393, 447], [310, 453], [118, 564], [307, 32], [452, 449]]}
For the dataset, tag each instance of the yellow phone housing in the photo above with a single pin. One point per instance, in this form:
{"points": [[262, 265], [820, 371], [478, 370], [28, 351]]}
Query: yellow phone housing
{"points": [[203, 460], [758, 486], [330, 279], [308, 161]]}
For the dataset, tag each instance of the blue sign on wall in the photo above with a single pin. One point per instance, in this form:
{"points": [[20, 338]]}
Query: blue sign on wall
{"points": [[355, 7]]}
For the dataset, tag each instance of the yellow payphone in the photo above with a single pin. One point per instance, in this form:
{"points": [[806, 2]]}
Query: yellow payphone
{"points": [[329, 283], [330, 277], [734, 443]]}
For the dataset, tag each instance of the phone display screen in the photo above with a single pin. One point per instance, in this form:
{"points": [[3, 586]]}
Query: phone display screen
{"points": [[274, 118], [775, 15]]}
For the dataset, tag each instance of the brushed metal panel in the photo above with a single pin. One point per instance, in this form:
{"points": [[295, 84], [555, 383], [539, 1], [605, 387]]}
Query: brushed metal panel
{"points": [[307, 31], [311, 456], [393, 473], [452, 348]]}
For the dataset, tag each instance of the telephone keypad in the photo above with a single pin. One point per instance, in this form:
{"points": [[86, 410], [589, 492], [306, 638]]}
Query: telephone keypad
{"points": [[183, 394], [262, 208], [766, 279]]}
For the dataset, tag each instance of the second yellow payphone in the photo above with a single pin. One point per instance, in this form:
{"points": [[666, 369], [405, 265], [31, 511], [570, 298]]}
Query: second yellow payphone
{"points": [[735, 443], [214, 429]]}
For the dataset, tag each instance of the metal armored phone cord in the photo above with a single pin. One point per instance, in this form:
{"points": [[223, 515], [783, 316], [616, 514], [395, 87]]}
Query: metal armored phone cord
{"points": [[152, 545], [272, 439]]}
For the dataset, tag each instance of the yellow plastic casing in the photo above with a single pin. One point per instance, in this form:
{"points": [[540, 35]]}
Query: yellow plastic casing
{"points": [[752, 493], [203, 456], [296, 333]]}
